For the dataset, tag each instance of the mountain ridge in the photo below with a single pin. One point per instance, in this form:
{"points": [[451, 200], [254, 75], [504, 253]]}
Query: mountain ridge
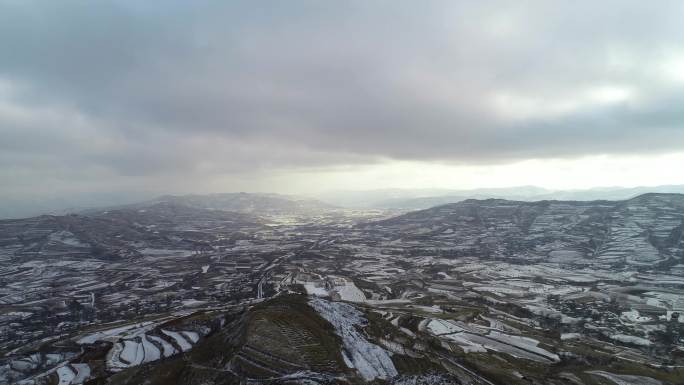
{"points": [[421, 199], [647, 230]]}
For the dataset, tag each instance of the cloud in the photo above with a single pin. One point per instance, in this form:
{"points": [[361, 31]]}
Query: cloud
{"points": [[178, 91]]}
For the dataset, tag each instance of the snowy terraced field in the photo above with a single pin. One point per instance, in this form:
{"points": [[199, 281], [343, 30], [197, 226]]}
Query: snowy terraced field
{"points": [[472, 339], [148, 348], [481, 291]]}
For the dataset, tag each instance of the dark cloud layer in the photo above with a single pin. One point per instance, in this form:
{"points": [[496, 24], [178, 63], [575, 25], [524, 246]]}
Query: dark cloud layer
{"points": [[103, 89]]}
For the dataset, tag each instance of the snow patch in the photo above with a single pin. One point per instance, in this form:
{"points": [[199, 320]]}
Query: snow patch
{"points": [[369, 359], [182, 342], [623, 379], [66, 375], [627, 339], [82, 373]]}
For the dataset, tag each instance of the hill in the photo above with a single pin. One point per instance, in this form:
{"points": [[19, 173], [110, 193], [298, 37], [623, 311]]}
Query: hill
{"points": [[645, 230]]}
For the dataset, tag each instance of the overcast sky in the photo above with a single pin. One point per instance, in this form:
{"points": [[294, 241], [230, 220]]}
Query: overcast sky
{"points": [[305, 96]]}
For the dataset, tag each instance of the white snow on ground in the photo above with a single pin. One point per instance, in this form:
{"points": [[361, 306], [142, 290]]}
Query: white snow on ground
{"points": [[469, 339], [166, 252], [52, 359], [542, 311], [369, 359], [191, 336], [82, 373], [393, 347], [15, 316], [627, 339], [464, 343], [347, 361], [349, 292], [497, 324], [167, 349], [407, 332], [152, 353], [570, 336], [422, 325], [633, 316], [182, 342], [668, 316], [27, 363], [624, 379], [426, 309], [113, 361], [147, 348], [525, 343], [381, 302], [133, 353], [67, 238], [116, 332], [341, 286], [193, 302], [440, 326], [423, 379], [66, 375], [315, 289], [500, 291], [567, 320], [510, 345]]}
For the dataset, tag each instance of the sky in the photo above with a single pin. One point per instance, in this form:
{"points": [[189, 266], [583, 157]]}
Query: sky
{"points": [[151, 97]]}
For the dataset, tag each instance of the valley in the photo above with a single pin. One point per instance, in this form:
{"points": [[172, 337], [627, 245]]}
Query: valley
{"points": [[474, 292]]}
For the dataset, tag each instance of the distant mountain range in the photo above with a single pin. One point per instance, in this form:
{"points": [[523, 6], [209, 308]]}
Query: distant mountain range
{"points": [[255, 204], [258, 204], [241, 202], [279, 204], [416, 199]]}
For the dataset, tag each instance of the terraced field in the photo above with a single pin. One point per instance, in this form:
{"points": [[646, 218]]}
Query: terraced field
{"points": [[287, 336], [643, 231], [477, 292]]}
